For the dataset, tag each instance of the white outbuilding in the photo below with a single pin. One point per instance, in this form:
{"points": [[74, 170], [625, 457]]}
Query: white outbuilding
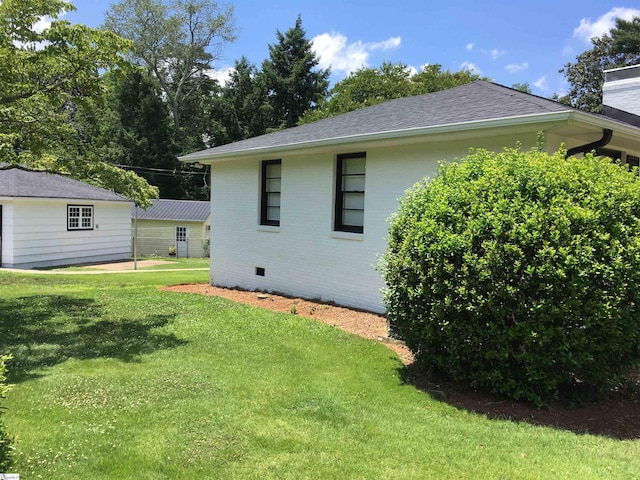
{"points": [[50, 220]]}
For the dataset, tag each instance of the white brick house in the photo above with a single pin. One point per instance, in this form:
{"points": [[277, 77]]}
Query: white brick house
{"points": [[304, 211]]}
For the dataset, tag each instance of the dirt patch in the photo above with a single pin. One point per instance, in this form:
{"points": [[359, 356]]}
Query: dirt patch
{"points": [[617, 418]]}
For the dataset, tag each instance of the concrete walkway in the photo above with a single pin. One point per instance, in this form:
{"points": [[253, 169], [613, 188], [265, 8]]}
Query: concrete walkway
{"points": [[117, 267]]}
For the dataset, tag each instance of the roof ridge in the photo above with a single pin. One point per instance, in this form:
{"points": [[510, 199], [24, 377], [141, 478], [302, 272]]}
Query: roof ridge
{"points": [[524, 96]]}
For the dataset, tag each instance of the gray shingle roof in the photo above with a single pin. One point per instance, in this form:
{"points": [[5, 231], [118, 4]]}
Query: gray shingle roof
{"points": [[476, 101], [179, 210], [19, 182]]}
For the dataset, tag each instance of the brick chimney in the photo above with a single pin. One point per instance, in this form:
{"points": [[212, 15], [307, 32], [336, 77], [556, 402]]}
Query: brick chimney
{"points": [[621, 89]]}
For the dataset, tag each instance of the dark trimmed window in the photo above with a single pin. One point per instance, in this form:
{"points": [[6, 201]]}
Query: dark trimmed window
{"points": [[79, 217], [270, 193], [350, 176]]}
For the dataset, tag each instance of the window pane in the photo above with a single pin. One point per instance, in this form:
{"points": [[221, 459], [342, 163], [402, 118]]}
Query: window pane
{"points": [[273, 170], [273, 200], [353, 217], [273, 214], [273, 185], [353, 184], [352, 166], [353, 201]]}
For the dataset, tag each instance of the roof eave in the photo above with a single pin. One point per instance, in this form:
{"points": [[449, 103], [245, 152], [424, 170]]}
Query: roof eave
{"points": [[543, 121], [209, 156]]}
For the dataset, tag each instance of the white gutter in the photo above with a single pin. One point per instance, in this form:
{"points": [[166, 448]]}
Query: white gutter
{"points": [[570, 117]]}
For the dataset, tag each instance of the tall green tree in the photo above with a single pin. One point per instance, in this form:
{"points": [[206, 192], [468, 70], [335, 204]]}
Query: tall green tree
{"points": [[177, 40], [370, 86], [619, 48], [241, 110], [45, 75], [145, 133], [293, 81]]}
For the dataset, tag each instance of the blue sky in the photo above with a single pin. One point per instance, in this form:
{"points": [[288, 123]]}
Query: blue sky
{"points": [[507, 41]]}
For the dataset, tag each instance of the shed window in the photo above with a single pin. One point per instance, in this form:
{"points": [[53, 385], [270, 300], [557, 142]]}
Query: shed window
{"points": [[270, 193], [79, 217], [349, 204]]}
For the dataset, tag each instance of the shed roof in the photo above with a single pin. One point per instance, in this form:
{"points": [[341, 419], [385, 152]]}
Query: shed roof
{"points": [[179, 210], [16, 181]]}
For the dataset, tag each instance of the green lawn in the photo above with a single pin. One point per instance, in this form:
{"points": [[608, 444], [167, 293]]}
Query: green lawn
{"points": [[117, 380]]}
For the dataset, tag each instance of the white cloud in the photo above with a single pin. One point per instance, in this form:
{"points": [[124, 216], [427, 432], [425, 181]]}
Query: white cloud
{"points": [[222, 75], [494, 53], [541, 83], [588, 29], [42, 24], [516, 67], [469, 46], [334, 51], [472, 67]]}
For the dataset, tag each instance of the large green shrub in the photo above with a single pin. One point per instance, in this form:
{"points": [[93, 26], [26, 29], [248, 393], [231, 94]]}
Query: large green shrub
{"points": [[5, 441], [519, 273]]}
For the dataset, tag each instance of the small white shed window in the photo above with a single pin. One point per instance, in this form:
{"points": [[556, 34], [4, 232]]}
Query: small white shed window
{"points": [[79, 217]]}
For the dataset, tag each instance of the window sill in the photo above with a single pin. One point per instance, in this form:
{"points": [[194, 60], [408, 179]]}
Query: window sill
{"points": [[358, 237], [269, 228]]}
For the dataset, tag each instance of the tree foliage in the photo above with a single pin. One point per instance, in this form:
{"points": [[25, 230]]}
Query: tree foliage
{"points": [[178, 41], [294, 84], [370, 86], [516, 273], [619, 48], [144, 133], [242, 109], [43, 74], [45, 77]]}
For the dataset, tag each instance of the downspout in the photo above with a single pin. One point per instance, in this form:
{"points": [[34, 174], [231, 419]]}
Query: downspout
{"points": [[606, 138]]}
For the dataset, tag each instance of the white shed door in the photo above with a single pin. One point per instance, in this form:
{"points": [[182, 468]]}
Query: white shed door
{"points": [[182, 241]]}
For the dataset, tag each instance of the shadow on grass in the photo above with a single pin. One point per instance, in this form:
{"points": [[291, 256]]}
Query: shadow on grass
{"points": [[41, 331], [614, 418]]}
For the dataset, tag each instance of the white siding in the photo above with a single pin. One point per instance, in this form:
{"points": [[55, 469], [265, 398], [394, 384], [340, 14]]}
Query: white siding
{"points": [[38, 236], [623, 93], [304, 256]]}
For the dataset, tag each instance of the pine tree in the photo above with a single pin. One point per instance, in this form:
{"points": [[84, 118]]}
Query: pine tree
{"points": [[294, 85], [241, 110], [145, 133]]}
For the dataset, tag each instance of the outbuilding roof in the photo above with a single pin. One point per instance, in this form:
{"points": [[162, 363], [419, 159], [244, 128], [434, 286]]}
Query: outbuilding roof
{"points": [[16, 181], [178, 210], [479, 101]]}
